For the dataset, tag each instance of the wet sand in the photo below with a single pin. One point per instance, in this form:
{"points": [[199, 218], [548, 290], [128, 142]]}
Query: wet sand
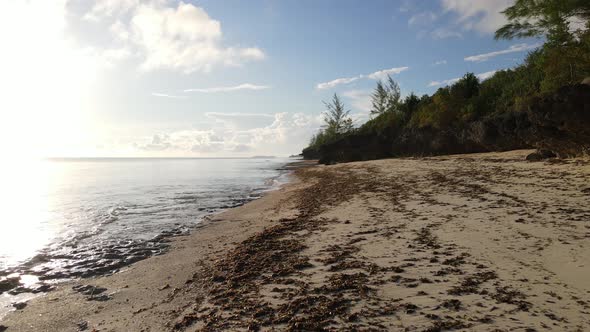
{"points": [[485, 242]]}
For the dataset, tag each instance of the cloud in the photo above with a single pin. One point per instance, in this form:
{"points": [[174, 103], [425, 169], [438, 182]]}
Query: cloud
{"points": [[511, 49], [164, 34], [444, 33], [480, 76], [425, 18], [381, 74], [159, 143], [184, 38], [109, 8], [374, 76], [119, 31], [338, 81], [479, 15], [445, 82], [424, 22], [440, 62], [486, 75], [279, 134], [241, 120], [165, 95], [360, 99], [207, 147], [242, 148], [245, 86]]}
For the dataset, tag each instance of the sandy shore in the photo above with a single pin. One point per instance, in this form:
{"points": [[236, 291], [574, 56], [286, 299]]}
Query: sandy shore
{"points": [[484, 242]]}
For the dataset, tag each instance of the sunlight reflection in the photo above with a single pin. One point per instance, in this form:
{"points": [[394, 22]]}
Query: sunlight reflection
{"points": [[25, 193]]}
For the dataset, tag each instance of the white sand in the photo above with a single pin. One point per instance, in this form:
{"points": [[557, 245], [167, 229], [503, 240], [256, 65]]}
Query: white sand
{"points": [[480, 242]]}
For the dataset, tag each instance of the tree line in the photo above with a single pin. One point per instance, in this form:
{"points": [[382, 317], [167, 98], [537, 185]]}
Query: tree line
{"points": [[563, 59]]}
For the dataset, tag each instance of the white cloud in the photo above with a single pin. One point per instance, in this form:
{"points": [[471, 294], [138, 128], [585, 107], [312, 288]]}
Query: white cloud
{"points": [[166, 34], [381, 74], [338, 81], [241, 134], [445, 82], [486, 75], [481, 76], [424, 21], [245, 86], [109, 8], [119, 31], [444, 33], [374, 76], [360, 99], [279, 134], [183, 38], [159, 143], [480, 15], [165, 95], [115, 55], [241, 120], [511, 49], [440, 62]]}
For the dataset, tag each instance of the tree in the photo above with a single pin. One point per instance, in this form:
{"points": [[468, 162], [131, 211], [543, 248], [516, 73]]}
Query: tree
{"points": [[466, 87], [393, 95], [379, 99], [530, 18], [410, 105], [386, 98], [337, 119]]}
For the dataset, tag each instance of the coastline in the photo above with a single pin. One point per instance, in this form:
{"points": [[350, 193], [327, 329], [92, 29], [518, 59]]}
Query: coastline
{"points": [[60, 310], [480, 241]]}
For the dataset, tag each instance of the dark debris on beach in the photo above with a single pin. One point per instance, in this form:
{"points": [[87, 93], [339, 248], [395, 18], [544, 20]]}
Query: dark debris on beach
{"points": [[272, 257], [230, 295]]}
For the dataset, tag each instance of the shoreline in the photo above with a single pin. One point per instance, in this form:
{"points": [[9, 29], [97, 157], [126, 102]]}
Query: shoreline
{"points": [[480, 241], [44, 300], [40, 274], [27, 284]]}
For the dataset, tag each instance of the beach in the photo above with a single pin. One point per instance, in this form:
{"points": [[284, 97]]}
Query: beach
{"points": [[486, 242]]}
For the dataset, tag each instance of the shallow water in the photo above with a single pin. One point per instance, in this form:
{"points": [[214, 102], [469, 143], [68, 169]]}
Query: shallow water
{"points": [[82, 217]]}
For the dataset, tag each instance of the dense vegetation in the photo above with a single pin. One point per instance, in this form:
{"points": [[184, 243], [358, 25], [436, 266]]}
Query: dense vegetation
{"points": [[453, 118]]}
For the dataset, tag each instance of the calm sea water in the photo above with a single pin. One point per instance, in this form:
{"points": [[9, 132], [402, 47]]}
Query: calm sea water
{"points": [[63, 218]]}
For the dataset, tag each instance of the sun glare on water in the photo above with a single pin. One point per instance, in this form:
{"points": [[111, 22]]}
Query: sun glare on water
{"points": [[45, 83], [26, 211]]}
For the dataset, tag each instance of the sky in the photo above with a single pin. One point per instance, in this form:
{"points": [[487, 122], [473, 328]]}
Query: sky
{"points": [[222, 78]]}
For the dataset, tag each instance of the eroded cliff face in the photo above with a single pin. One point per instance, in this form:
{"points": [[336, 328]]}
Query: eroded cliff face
{"points": [[559, 122]]}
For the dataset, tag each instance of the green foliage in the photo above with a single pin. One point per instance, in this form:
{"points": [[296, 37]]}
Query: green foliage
{"points": [[439, 112], [551, 18], [385, 98], [337, 123], [379, 99], [564, 59], [466, 87], [336, 117], [409, 105], [567, 64], [505, 88], [384, 124]]}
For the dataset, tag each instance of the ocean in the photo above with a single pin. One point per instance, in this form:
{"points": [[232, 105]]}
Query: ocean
{"points": [[70, 218]]}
